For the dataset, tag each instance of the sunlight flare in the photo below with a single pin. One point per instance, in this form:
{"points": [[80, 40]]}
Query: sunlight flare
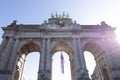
{"points": [[117, 32]]}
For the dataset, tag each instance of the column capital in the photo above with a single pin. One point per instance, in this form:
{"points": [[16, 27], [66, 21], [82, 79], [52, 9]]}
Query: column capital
{"points": [[48, 38], [43, 38], [17, 38], [74, 37], [79, 38], [10, 37]]}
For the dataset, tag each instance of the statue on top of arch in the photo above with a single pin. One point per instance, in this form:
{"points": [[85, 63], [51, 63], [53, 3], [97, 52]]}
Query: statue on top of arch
{"points": [[13, 24], [56, 15]]}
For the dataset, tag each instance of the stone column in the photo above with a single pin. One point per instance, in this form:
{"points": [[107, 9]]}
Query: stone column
{"points": [[48, 60], [82, 59], [42, 60], [6, 54], [3, 45], [4, 73], [13, 55], [76, 62], [13, 58]]}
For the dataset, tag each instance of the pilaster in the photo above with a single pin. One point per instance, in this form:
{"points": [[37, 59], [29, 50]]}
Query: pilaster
{"points": [[82, 60], [4, 73], [48, 59], [13, 58], [6, 53], [76, 59], [3, 45], [42, 60], [81, 54]]}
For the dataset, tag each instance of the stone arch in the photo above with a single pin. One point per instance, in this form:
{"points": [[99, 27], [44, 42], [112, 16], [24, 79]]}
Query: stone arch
{"points": [[25, 49], [96, 49], [62, 46], [93, 47], [66, 47], [29, 47]]}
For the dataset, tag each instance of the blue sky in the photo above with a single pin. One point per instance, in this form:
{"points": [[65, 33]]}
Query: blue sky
{"points": [[36, 11], [83, 11]]}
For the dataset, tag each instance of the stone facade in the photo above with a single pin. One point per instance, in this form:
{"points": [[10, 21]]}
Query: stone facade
{"points": [[59, 34]]}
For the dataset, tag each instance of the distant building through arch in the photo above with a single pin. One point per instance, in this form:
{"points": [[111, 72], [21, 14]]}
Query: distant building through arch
{"points": [[60, 34]]}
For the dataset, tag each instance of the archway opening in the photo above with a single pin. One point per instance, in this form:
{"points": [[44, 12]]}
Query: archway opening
{"points": [[90, 63], [58, 66], [28, 61], [30, 70], [96, 50]]}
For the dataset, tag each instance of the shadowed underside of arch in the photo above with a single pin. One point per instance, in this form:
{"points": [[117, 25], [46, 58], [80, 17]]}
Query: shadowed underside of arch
{"points": [[93, 48], [62, 46], [29, 47]]}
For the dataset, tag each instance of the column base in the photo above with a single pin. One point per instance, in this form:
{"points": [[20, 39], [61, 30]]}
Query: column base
{"points": [[44, 75], [85, 77]]}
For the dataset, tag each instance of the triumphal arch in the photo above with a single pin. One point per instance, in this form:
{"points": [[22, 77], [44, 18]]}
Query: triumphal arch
{"points": [[59, 33]]}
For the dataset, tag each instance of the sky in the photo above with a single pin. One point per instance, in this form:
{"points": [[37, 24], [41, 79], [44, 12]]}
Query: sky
{"points": [[83, 11]]}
